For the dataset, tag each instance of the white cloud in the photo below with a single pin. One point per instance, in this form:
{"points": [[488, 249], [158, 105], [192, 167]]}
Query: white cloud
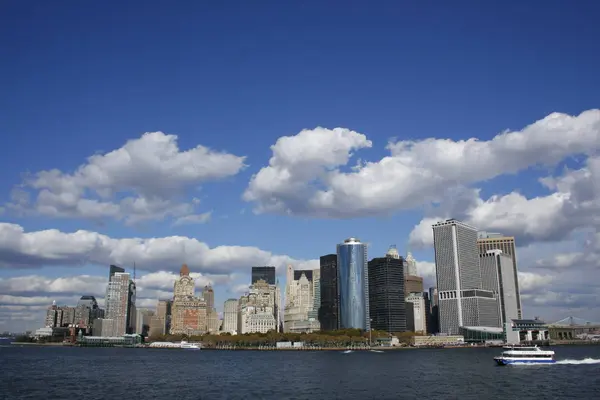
{"points": [[142, 180], [574, 205], [308, 181], [193, 219], [52, 247]]}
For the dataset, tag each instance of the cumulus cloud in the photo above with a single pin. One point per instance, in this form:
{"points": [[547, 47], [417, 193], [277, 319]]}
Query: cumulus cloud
{"points": [[575, 204], [20, 249], [142, 180], [309, 181]]}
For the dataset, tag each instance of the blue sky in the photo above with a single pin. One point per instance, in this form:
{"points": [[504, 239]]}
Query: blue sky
{"points": [[83, 78]]}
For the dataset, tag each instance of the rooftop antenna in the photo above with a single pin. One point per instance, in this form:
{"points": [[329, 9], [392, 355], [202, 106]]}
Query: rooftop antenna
{"points": [[134, 272]]}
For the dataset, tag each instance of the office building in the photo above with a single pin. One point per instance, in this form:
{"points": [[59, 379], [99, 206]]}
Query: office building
{"points": [[497, 275], [491, 241], [329, 307], [118, 304], [266, 274], [386, 293], [462, 300], [353, 284], [299, 302], [419, 322], [230, 316], [143, 321], [433, 325]]}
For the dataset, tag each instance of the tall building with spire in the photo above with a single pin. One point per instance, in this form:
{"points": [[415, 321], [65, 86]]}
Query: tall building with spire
{"points": [[188, 312]]}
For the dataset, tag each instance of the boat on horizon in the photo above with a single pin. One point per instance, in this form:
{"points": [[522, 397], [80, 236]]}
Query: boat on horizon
{"points": [[525, 355], [188, 346]]}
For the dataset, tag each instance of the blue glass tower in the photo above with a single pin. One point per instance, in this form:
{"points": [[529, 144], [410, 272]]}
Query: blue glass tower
{"points": [[353, 285]]}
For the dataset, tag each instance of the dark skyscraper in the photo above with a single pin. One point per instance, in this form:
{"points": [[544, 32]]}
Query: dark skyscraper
{"points": [[386, 294], [266, 273], [114, 269], [329, 311]]}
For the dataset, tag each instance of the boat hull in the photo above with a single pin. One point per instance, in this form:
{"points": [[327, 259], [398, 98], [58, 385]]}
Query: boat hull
{"points": [[507, 361]]}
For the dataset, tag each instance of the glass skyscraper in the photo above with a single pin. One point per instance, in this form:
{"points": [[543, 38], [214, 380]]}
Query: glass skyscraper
{"points": [[353, 285]]}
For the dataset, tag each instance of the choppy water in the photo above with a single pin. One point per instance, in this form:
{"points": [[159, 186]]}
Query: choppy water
{"points": [[93, 374]]}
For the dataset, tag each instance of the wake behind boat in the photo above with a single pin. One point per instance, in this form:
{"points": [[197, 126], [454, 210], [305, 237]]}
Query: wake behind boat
{"points": [[525, 355]]}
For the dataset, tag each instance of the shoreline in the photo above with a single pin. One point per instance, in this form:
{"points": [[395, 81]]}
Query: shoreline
{"points": [[376, 349]]}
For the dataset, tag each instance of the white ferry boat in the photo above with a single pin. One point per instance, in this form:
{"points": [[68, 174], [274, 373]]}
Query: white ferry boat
{"points": [[525, 355], [188, 346]]}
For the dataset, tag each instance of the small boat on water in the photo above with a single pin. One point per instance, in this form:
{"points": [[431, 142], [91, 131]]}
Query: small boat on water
{"points": [[189, 346], [525, 355]]}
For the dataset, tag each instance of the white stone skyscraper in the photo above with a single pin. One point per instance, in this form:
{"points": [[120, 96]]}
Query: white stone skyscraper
{"points": [[463, 302], [230, 316]]}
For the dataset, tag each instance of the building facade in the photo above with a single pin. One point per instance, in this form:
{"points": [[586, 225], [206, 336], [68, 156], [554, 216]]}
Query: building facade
{"points": [[230, 316], [188, 312], [462, 300], [491, 241], [329, 310], [299, 302], [387, 309], [497, 275], [262, 300], [266, 273], [353, 284], [419, 322], [118, 307]]}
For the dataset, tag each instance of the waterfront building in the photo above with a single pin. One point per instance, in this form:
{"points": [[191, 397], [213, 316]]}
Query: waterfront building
{"points": [[386, 293], [266, 273], [52, 316], [497, 275], [160, 323], [212, 318], [299, 301], [313, 314], [118, 302], [188, 312], [262, 300], [491, 241], [462, 300], [412, 284], [353, 284], [419, 322], [328, 314], [230, 316]]}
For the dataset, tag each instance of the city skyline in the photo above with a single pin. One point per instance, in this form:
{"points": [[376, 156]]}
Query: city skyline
{"points": [[136, 146]]}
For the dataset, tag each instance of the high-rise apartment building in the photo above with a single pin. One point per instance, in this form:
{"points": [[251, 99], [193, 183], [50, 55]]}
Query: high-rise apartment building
{"points": [[353, 284], [387, 310], [329, 310], [113, 270], [462, 300], [118, 304], [491, 241], [266, 273], [230, 316], [497, 273]]}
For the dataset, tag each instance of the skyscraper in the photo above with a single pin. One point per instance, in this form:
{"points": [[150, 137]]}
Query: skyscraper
{"points": [[353, 284], [386, 293], [491, 241], [113, 270], [265, 273], [497, 275], [117, 301], [462, 300], [329, 308], [230, 316]]}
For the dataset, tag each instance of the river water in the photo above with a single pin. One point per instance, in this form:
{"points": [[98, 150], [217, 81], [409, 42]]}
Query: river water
{"points": [[110, 373]]}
